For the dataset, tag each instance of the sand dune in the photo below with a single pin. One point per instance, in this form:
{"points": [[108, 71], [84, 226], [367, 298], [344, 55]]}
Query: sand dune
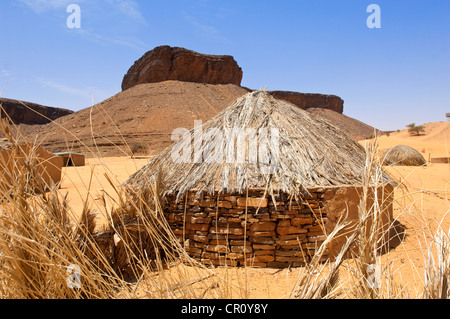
{"points": [[420, 204], [435, 142]]}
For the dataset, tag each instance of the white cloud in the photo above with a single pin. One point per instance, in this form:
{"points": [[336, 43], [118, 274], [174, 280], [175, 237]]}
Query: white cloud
{"points": [[123, 41], [40, 6], [204, 29], [125, 11], [89, 92], [5, 73], [129, 8]]}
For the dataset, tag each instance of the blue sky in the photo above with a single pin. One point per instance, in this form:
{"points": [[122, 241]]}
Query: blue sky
{"points": [[388, 77]]}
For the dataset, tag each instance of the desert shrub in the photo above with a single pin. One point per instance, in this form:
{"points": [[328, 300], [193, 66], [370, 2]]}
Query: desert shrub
{"points": [[415, 130]]}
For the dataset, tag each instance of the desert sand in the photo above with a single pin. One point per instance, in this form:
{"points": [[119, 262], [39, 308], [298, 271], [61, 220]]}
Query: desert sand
{"points": [[421, 203]]}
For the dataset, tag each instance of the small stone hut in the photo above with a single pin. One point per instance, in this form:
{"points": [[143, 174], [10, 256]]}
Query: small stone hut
{"points": [[403, 155], [72, 159], [261, 184], [47, 165]]}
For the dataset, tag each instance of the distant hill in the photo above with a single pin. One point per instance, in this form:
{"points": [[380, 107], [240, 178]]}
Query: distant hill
{"points": [[354, 128], [142, 118], [29, 113]]}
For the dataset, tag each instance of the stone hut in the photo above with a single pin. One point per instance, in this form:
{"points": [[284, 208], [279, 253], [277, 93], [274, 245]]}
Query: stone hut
{"points": [[48, 166], [260, 184], [72, 159], [403, 155]]}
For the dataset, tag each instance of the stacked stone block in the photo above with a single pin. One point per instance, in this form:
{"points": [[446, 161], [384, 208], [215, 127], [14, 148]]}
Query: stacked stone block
{"points": [[252, 229]]}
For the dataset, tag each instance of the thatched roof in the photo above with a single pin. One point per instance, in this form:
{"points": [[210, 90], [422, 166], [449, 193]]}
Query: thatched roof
{"points": [[403, 155], [311, 153]]}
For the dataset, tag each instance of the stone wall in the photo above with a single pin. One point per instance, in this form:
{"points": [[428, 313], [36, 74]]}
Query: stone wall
{"points": [[228, 229], [235, 230], [47, 165]]}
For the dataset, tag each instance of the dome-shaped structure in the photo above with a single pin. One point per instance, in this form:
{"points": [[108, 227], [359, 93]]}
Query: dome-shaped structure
{"points": [[258, 133], [403, 155], [255, 181]]}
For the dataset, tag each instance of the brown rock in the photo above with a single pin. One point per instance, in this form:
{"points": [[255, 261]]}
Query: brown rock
{"points": [[201, 227], [218, 242], [231, 198], [261, 233], [285, 223], [264, 253], [301, 221], [241, 249], [252, 202], [262, 240], [217, 248], [290, 230], [165, 63], [288, 259], [263, 226], [263, 247], [288, 253], [202, 239], [311, 100], [235, 256], [258, 259], [198, 220], [225, 204], [209, 255], [207, 203], [32, 113], [239, 243], [233, 231]]}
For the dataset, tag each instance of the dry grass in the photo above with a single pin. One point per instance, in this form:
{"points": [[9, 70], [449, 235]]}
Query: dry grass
{"points": [[48, 253], [308, 152]]}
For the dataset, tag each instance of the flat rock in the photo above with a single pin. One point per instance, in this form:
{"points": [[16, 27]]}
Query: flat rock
{"points": [[166, 63]]}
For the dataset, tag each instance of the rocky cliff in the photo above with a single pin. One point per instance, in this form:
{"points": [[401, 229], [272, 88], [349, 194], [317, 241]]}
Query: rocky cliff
{"points": [[30, 114], [311, 100], [165, 63]]}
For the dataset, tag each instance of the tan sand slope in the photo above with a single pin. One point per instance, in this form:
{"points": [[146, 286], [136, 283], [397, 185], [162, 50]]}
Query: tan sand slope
{"points": [[142, 118], [434, 143], [354, 128], [144, 115], [418, 207]]}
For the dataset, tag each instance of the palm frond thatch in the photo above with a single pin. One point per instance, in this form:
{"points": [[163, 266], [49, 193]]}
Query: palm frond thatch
{"points": [[308, 152], [403, 155]]}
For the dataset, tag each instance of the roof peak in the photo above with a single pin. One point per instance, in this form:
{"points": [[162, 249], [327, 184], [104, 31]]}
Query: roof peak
{"points": [[257, 142]]}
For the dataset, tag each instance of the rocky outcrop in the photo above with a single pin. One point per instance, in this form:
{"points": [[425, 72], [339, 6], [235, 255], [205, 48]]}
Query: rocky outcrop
{"points": [[311, 100], [30, 114], [165, 63], [172, 63]]}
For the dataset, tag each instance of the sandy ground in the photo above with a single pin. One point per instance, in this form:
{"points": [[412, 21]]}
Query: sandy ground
{"points": [[420, 205]]}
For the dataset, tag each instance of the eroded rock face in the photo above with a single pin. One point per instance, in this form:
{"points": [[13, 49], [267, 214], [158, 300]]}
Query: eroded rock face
{"points": [[32, 114], [173, 63], [311, 100]]}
